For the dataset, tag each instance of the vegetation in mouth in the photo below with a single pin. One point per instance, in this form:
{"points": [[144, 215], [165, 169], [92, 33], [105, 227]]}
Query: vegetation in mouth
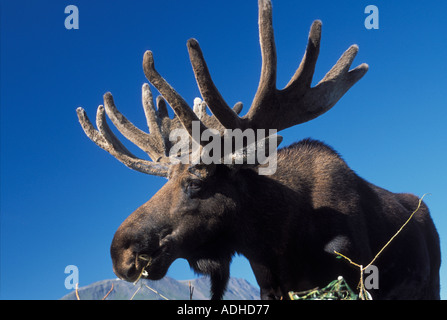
{"points": [[143, 272]]}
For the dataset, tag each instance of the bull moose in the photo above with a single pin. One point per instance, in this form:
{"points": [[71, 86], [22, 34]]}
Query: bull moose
{"points": [[287, 224]]}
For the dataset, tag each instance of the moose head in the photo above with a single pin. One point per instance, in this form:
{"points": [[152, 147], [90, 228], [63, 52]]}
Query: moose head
{"points": [[207, 212]]}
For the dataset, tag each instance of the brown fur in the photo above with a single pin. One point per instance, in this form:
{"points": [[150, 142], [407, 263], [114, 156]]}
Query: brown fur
{"points": [[287, 225]]}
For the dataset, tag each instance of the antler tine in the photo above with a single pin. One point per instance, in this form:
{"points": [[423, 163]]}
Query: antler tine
{"points": [[105, 139], [267, 82], [238, 107], [184, 113], [228, 117], [155, 143], [304, 74], [162, 109], [111, 140], [163, 118], [126, 127], [157, 120], [220, 109], [340, 71], [149, 110], [335, 84], [265, 100], [89, 130], [321, 98]]}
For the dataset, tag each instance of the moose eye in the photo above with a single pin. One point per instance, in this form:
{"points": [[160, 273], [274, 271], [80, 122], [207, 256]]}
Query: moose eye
{"points": [[195, 184]]}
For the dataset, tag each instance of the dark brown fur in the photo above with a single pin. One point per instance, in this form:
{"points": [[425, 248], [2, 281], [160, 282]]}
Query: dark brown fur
{"points": [[287, 225]]}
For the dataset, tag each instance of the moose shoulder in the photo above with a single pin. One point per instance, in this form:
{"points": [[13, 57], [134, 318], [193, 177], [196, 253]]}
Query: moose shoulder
{"points": [[287, 224]]}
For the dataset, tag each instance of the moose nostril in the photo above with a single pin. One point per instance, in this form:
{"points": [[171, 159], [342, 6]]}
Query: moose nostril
{"points": [[131, 273], [124, 262]]}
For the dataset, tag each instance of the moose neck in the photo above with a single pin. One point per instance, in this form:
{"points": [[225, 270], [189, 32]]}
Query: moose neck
{"points": [[268, 205], [273, 224]]}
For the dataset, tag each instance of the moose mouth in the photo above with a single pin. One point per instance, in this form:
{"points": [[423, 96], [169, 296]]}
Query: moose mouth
{"points": [[144, 273], [149, 267], [139, 265], [149, 259], [153, 266]]}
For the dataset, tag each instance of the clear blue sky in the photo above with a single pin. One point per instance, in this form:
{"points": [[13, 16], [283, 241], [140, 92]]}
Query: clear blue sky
{"points": [[62, 198]]}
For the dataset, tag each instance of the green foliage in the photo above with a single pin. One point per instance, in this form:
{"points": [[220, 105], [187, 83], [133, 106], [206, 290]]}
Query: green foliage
{"points": [[336, 290]]}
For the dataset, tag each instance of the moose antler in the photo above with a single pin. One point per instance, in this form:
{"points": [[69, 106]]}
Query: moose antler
{"points": [[297, 102], [154, 144], [271, 108]]}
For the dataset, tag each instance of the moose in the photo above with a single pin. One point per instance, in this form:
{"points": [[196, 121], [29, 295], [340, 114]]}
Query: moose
{"points": [[289, 224]]}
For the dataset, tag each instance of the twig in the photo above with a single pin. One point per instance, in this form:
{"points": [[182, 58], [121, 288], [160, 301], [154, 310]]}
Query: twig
{"points": [[155, 291], [76, 291], [349, 260], [104, 298], [149, 260], [191, 290], [398, 231], [134, 294], [363, 294], [362, 269]]}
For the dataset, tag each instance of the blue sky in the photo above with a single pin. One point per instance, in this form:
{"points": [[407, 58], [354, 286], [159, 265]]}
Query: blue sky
{"points": [[62, 198]]}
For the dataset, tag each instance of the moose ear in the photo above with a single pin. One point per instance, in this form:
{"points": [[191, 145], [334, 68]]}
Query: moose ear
{"points": [[202, 171]]}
